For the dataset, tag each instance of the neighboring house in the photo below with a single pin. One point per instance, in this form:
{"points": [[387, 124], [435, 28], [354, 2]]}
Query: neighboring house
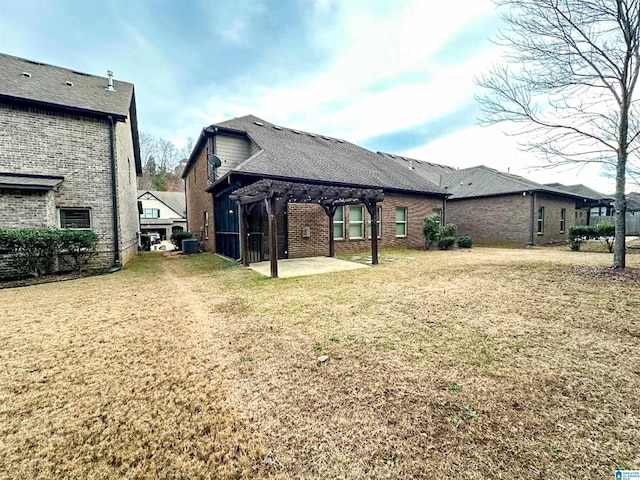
{"points": [[596, 204], [241, 152], [69, 154], [162, 213], [496, 207]]}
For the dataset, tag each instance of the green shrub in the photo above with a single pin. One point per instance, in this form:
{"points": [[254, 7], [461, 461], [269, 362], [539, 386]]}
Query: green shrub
{"points": [[178, 236], [603, 231], [607, 233], [465, 242], [448, 230], [431, 230], [446, 243], [76, 247], [36, 249]]}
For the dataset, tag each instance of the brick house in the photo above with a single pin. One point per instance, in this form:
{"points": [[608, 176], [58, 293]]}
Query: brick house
{"points": [[239, 152], [162, 213], [69, 154], [499, 208]]}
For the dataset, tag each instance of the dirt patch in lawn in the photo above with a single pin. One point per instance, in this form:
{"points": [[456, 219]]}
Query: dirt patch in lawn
{"points": [[483, 363], [608, 274]]}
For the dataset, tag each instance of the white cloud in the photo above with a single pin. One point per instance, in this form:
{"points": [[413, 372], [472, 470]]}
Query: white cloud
{"points": [[490, 146], [364, 91]]}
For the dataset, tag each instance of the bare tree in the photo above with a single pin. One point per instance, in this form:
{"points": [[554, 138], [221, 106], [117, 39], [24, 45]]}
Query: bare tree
{"points": [[162, 163], [569, 79]]}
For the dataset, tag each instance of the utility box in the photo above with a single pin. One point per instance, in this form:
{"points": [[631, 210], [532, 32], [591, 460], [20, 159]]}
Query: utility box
{"points": [[306, 232], [190, 245]]}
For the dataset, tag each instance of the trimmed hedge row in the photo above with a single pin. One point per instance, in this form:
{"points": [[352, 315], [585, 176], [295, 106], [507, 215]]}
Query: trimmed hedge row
{"points": [[36, 249], [604, 231]]}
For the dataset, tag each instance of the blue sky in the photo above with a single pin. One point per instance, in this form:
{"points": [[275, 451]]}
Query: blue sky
{"points": [[395, 76]]}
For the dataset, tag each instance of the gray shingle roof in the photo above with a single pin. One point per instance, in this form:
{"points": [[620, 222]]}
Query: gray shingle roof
{"points": [[47, 84], [429, 170], [314, 157], [581, 190], [174, 200], [633, 202], [483, 181]]}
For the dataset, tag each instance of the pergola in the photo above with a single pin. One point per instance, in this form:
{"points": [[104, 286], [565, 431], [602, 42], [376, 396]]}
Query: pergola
{"points": [[276, 193]]}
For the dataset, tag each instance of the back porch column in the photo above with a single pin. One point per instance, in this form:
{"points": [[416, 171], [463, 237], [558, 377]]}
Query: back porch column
{"points": [[330, 210], [372, 208], [273, 235]]}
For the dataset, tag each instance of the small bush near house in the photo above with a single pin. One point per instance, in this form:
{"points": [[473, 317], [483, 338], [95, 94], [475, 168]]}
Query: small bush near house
{"points": [[36, 249], [431, 230], [76, 247], [449, 230], [607, 233], [446, 243], [178, 236], [465, 242]]}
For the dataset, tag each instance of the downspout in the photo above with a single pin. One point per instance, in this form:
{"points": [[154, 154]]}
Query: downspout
{"points": [[532, 209], [444, 211], [114, 191]]}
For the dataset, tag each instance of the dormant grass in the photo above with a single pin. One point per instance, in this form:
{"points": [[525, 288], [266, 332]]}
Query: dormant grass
{"points": [[488, 363]]}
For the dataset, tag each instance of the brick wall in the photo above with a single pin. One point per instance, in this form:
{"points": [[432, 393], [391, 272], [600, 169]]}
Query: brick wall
{"points": [[503, 219], [27, 209], [506, 219], [128, 217], [199, 201], [552, 207], [40, 142], [309, 215]]}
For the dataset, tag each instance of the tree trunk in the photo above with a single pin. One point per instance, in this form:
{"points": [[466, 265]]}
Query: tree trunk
{"points": [[619, 249]]}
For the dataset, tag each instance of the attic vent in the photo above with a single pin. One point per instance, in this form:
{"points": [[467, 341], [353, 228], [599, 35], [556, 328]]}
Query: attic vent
{"points": [[326, 138], [69, 83], [80, 73], [26, 74], [340, 141], [391, 156], [260, 124], [277, 127], [296, 131], [403, 158], [311, 134], [33, 62]]}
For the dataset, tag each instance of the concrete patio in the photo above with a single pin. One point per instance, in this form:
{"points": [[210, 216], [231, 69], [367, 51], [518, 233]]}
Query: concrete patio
{"points": [[298, 267]]}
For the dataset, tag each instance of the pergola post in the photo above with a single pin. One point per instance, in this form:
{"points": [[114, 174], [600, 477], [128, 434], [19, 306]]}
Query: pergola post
{"points": [[244, 234], [373, 213], [273, 235], [330, 210]]}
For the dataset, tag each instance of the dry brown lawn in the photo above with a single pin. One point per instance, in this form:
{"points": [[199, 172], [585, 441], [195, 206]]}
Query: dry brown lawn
{"points": [[481, 364]]}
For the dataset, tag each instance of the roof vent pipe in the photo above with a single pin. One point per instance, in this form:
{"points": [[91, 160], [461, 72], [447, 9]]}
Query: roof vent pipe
{"points": [[110, 85], [411, 167]]}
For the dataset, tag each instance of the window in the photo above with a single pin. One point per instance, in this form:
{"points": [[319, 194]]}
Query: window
{"points": [[540, 220], [563, 219], [378, 223], [151, 213], [401, 222], [437, 211], [356, 222], [75, 218], [338, 223], [206, 225]]}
